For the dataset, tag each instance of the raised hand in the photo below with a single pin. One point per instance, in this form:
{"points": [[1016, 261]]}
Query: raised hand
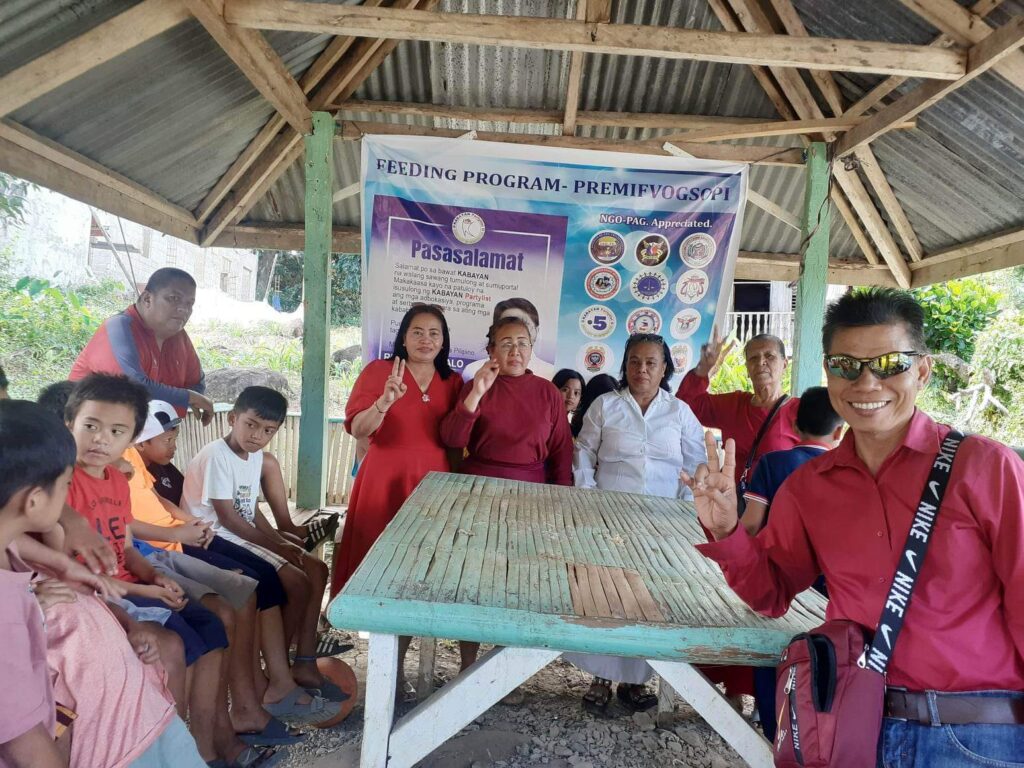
{"points": [[714, 489], [712, 354], [395, 386], [485, 377]]}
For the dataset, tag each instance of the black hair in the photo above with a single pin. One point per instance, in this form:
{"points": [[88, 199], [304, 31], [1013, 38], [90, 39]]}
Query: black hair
{"points": [[164, 276], [441, 360], [649, 338], [519, 303], [815, 415], [875, 306], [54, 398], [766, 337], [599, 385], [3, 379], [566, 375], [268, 403], [504, 322], [109, 388], [35, 448]]}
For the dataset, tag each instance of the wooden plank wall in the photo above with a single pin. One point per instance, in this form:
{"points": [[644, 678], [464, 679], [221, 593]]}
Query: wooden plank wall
{"points": [[285, 446]]}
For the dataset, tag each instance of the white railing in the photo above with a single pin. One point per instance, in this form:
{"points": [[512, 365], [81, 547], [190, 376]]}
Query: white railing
{"points": [[744, 325]]}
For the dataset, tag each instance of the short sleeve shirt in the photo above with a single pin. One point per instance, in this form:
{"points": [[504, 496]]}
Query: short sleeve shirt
{"points": [[167, 481], [106, 502], [775, 467], [217, 472], [26, 695], [146, 504]]}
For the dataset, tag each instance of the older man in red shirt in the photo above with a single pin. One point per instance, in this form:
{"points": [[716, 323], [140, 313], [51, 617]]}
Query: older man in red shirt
{"points": [[148, 343], [847, 514]]}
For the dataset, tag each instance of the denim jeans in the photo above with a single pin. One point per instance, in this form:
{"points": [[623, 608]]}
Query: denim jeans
{"points": [[907, 744]]}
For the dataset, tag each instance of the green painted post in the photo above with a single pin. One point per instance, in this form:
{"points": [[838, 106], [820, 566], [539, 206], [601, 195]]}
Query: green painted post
{"points": [[810, 292], [316, 292]]}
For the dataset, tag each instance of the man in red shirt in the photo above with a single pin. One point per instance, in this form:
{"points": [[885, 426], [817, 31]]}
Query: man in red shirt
{"points": [[148, 344], [739, 415], [847, 513]]}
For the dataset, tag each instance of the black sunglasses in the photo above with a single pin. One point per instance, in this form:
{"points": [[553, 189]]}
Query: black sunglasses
{"points": [[883, 366]]}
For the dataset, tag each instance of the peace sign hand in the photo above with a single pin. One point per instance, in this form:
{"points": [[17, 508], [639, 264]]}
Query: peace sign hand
{"points": [[712, 354], [714, 489], [395, 386]]}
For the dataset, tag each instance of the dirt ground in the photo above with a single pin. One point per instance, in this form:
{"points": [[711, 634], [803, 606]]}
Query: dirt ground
{"points": [[550, 729]]}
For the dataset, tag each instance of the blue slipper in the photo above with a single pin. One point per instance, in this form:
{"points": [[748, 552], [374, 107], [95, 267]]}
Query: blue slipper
{"points": [[275, 734], [316, 711], [329, 691]]}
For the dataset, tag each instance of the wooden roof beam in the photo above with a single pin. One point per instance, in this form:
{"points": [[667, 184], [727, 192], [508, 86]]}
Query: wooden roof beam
{"points": [[617, 39], [261, 65], [100, 44], [351, 130], [312, 77], [873, 97], [966, 28], [998, 251], [773, 128], [575, 80], [980, 59], [351, 71], [30, 156]]}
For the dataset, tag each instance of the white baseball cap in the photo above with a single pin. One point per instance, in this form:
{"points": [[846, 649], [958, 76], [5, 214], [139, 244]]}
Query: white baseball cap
{"points": [[162, 417]]}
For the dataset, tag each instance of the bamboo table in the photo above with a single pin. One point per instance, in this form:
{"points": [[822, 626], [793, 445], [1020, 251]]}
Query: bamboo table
{"points": [[539, 570]]}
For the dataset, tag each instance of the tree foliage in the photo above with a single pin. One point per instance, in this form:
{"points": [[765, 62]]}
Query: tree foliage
{"points": [[13, 193], [955, 312], [346, 283]]}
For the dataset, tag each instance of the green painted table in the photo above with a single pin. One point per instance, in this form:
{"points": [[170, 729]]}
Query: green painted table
{"points": [[539, 570]]}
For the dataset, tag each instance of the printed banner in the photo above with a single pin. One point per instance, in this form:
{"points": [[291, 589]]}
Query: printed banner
{"points": [[596, 245]]}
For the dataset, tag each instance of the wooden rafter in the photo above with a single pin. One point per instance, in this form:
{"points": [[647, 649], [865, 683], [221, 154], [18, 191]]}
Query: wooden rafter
{"points": [[998, 251], [863, 241], [764, 78], [966, 28], [252, 54], [873, 97], [35, 158], [656, 121], [284, 237], [850, 183], [100, 44], [359, 61], [575, 79], [981, 58], [772, 128], [318, 70], [352, 130], [620, 39]]}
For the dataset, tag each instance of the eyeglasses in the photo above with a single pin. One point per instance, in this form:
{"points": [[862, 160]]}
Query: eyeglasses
{"points": [[522, 346], [883, 366]]}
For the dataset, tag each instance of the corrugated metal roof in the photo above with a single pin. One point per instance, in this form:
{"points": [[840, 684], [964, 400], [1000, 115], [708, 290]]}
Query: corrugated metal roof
{"points": [[175, 112]]}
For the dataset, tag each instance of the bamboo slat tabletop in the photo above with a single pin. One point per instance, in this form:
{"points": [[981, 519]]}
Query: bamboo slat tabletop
{"points": [[545, 566]]}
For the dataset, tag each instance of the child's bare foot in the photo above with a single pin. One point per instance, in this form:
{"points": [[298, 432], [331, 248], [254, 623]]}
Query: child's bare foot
{"points": [[276, 693], [306, 674], [248, 720]]}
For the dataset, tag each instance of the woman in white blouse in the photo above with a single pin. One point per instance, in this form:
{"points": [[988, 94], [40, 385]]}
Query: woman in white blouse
{"points": [[635, 440]]}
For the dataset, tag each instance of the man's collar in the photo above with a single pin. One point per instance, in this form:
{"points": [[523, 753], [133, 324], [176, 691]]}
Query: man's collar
{"points": [[133, 313], [921, 437]]}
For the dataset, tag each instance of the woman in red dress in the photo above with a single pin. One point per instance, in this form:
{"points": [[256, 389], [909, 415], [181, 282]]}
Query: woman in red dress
{"points": [[511, 422], [398, 404]]}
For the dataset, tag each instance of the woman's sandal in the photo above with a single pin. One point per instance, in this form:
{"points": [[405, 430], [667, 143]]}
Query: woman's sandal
{"points": [[635, 698], [596, 699]]}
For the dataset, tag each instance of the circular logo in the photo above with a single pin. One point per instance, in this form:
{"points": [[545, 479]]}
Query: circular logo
{"points": [[595, 358], [698, 250], [643, 320], [652, 250], [597, 322], [692, 286], [468, 228], [602, 283], [607, 247], [681, 356], [648, 286], [685, 323]]}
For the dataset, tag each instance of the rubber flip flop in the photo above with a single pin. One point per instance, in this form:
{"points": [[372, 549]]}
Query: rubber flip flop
{"points": [[320, 529], [316, 711], [328, 645], [250, 757], [275, 734], [329, 691]]}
